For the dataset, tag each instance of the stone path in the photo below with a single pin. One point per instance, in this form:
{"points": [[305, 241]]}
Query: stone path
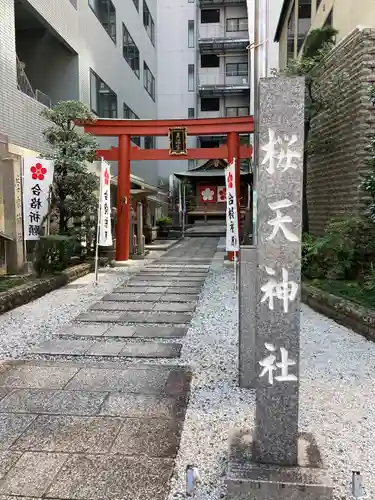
{"points": [[94, 429]]}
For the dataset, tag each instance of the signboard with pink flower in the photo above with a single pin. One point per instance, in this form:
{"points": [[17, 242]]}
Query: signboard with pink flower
{"points": [[232, 239], [37, 179], [207, 194], [105, 231]]}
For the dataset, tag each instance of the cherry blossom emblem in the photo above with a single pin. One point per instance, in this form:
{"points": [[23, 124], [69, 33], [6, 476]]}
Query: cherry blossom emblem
{"points": [[230, 180], [222, 194], [207, 194], [106, 177], [38, 172]]}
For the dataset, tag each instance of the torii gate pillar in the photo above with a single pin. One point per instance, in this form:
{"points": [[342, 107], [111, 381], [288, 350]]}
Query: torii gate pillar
{"points": [[123, 200]]}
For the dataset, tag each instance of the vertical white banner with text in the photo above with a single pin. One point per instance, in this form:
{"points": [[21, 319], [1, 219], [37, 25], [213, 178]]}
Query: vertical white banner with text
{"points": [[105, 230], [37, 179], [232, 240]]}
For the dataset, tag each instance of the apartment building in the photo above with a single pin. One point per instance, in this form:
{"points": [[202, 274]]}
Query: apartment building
{"points": [[101, 52], [203, 66], [298, 17]]}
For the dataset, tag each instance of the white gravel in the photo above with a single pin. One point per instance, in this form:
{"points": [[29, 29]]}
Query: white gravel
{"points": [[337, 402], [37, 321], [337, 379]]}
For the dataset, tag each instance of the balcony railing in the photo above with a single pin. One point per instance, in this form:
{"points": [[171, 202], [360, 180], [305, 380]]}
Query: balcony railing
{"points": [[24, 85], [213, 3], [219, 84], [215, 38], [220, 31]]}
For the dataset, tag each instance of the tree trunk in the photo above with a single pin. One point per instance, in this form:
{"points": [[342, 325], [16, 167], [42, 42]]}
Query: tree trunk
{"points": [[305, 208]]}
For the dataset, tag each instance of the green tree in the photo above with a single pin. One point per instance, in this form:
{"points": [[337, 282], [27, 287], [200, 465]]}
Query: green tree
{"points": [[321, 95], [74, 188]]}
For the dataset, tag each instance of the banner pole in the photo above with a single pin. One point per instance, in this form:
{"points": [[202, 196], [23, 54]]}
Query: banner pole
{"points": [[98, 228], [184, 212]]}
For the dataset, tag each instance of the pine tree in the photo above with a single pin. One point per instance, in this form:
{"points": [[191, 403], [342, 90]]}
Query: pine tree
{"points": [[74, 188]]}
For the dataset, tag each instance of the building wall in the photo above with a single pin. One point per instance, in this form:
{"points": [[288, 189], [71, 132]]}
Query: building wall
{"points": [[79, 42], [335, 173]]}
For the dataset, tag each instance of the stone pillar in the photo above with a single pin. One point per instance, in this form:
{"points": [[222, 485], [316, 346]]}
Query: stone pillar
{"points": [[140, 238], [12, 192], [273, 462], [131, 231]]}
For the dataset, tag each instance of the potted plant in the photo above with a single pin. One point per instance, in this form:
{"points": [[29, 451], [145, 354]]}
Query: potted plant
{"points": [[164, 224]]}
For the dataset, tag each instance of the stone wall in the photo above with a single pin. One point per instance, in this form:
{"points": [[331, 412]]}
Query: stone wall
{"points": [[343, 135]]}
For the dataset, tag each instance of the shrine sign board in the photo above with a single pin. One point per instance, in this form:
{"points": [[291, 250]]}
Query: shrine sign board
{"points": [[178, 141]]}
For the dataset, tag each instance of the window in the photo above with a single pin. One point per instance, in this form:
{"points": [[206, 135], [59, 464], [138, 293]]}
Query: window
{"points": [[149, 142], [191, 71], [103, 100], [237, 24], [106, 13], [136, 4], [191, 113], [148, 23], [148, 81], [291, 33], [210, 16], [210, 104], [237, 69], [210, 61], [128, 114], [191, 34], [130, 51], [304, 21], [237, 111], [191, 1]]}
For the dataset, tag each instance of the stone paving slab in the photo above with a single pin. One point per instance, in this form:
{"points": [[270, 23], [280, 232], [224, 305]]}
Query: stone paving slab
{"points": [[98, 477], [152, 437], [138, 380], [52, 402], [130, 289], [32, 474], [7, 460], [39, 377], [154, 317], [69, 434], [121, 306], [118, 296], [120, 331], [138, 406], [106, 349], [179, 298], [174, 307], [160, 331], [63, 347], [11, 428], [139, 282], [83, 330], [191, 290], [152, 350], [99, 317]]}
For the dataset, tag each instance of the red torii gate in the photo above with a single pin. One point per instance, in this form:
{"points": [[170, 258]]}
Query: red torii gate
{"points": [[125, 153]]}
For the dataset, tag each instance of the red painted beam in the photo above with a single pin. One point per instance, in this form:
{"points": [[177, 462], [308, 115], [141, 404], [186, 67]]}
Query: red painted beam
{"points": [[198, 126], [136, 154]]}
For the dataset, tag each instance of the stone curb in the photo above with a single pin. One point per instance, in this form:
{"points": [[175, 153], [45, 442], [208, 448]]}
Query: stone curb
{"points": [[23, 294], [343, 311]]}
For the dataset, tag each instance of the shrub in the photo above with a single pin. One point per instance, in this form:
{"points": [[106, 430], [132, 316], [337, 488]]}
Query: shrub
{"points": [[164, 221], [340, 253], [53, 253]]}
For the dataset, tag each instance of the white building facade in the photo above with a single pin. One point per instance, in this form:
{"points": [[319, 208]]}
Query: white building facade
{"points": [[101, 52]]}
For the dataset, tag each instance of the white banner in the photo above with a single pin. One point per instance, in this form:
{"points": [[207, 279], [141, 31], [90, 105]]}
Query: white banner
{"points": [[37, 179], [105, 230], [232, 241], [251, 19]]}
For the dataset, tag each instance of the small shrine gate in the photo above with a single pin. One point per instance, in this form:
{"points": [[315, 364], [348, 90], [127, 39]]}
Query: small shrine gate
{"points": [[232, 127]]}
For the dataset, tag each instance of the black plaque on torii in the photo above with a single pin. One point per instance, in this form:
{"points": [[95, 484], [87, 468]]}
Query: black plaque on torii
{"points": [[177, 141]]}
